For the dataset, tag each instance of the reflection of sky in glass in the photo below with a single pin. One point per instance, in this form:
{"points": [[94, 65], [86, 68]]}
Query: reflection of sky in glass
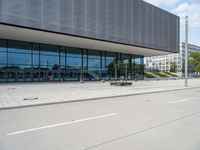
{"points": [[73, 61], [94, 63], [138, 60], [49, 53], [109, 61], [62, 61], [3, 56], [3, 49], [36, 60], [49, 60], [19, 50], [18, 58]]}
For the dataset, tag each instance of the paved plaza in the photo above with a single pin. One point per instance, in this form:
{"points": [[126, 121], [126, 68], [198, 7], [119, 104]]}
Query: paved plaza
{"points": [[28, 94], [156, 121]]}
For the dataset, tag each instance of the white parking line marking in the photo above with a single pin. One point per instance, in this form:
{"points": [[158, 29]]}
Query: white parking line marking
{"points": [[60, 124], [183, 100]]}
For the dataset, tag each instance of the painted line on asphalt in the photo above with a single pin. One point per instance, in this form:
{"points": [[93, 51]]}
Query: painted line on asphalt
{"points": [[60, 124], [183, 100]]}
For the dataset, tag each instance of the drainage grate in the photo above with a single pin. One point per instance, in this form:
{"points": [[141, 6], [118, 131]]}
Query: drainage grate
{"points": [[11, 88], [30, 98]]}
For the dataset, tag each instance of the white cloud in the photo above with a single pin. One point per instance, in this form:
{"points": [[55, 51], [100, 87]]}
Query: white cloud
{"points": [[184, 8], [181, 8], [167, 3], [189, 9]]}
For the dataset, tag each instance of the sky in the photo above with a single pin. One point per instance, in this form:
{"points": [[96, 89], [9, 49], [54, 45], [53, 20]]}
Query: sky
{"points": [[182, 8]]}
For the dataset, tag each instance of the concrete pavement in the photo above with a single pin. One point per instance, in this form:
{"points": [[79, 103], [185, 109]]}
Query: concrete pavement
{"points": [[31, 94], [158, 121]]}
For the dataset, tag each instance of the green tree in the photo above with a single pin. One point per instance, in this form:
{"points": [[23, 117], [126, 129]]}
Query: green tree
{"points": [[195, 61], [173, 67]]}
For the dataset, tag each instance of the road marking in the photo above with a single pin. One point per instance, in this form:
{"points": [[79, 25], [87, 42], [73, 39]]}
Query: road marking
{"points": [[60, 124], [183, 100]]}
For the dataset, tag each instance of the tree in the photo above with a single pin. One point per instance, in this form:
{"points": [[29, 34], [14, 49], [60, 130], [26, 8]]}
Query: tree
{"points": [[195, 61], [173, 67]]}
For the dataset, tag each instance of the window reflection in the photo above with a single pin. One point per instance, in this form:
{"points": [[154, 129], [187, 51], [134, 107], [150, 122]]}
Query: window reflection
{"points": [[49, 56], [73, 58], [26, 61], [3, 46], [139, 70], [19, 58], [19, 53], [94, 59], [3, 57], [19, 47]]}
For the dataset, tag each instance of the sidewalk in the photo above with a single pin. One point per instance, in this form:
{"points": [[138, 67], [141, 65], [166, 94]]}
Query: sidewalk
{"points": [[30, 94]]}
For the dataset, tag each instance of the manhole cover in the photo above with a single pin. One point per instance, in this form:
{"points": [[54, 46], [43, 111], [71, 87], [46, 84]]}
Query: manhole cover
{"points": [[11, 88], [30, 98]]}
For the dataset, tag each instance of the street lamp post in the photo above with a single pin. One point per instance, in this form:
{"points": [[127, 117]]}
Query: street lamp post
{"points": [[186, 51]]}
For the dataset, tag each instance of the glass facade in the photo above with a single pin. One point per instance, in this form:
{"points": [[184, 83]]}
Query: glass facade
{"points": [[27, 61]]}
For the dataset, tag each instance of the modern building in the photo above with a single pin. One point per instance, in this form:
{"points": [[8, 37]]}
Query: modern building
{"points": [[167, 62], [52, 40], [164, 63], [191, 48]]}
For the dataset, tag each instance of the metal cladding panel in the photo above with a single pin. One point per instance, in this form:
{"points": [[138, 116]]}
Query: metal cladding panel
{"points": [[33, 13], [101, 19], [51, 22], [91, 18], [132, 22], [66, 16]]}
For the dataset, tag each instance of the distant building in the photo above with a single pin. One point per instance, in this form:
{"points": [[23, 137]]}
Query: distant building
{"points": [[168, 62], [164, 63], [191, 49]]}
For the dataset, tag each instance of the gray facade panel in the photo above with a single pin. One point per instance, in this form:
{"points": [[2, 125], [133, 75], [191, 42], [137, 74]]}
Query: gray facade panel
{"points": [[132, 22]]}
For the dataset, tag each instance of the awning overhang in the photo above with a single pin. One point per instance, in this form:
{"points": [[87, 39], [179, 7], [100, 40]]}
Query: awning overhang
{"points": [[39, 36]]}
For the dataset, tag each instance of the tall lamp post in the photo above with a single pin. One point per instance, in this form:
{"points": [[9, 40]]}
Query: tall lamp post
{"points": [[186, 51]]}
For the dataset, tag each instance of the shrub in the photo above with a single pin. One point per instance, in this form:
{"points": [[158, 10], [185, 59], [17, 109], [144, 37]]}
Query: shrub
{"points": [[147, 75], [171, 74], [160, 74]]}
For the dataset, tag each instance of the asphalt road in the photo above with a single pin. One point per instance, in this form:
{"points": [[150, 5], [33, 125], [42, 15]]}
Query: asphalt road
{"points": [[162, 121]]}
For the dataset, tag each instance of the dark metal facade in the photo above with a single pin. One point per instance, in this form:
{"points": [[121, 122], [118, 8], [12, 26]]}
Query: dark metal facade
{"points": [[132, 22]]}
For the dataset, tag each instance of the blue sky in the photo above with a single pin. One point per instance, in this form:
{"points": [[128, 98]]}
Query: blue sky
{"points": [[183, 8]]}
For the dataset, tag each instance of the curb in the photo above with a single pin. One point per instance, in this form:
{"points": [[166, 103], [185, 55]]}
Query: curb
{"points": [[97, 98]]}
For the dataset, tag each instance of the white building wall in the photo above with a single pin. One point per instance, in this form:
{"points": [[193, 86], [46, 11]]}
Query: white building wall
{"points": [[163, 62]]}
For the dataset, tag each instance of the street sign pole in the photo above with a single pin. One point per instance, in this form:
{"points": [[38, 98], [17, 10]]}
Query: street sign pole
{"points": [[186, 51]]}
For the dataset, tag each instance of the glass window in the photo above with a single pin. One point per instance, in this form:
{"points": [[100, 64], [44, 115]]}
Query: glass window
{"points": [[110, 58], [85, 58], [19, 47], [19, 53], [3, 57], [3, 46], [94, 59], [94, 63], [49, 56], [73, 62], [62, 51], [49, 50], [3, 74], [19, 58], [139, 67], [74, 57], [74, 52], [36, 56], [46, 60], [62, 61], [36, 49], [103, 59], [62, 57], [36, 60], [93, 74]]}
